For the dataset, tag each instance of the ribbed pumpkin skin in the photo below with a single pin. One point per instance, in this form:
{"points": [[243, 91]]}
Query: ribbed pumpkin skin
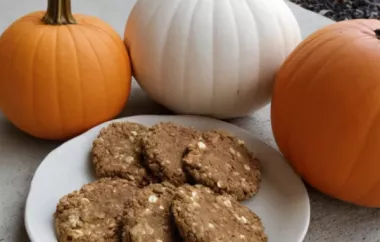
{"points": [[210, 57], [58, 81], [326, 111]]}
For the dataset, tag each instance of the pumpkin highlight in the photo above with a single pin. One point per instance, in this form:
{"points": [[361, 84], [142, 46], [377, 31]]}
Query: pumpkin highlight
{"points": [[62, 74], [325, 111]]}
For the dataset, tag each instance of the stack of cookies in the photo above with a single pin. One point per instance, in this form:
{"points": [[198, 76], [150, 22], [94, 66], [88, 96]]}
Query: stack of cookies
{"points": [[164, 183]]}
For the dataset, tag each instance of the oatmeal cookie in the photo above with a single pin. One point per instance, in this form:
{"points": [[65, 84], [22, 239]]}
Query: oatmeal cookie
{"points": [[204, 216], [94, 213], [117, 152], [148, 217], [223, 163], [164, 146]]}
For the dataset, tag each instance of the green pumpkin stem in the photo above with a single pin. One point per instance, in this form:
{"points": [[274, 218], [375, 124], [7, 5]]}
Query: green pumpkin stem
{"points": [[377, 32], [59, 13]]}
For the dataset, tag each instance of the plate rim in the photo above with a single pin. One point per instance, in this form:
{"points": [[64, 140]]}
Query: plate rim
{"points": [[32, 182]]}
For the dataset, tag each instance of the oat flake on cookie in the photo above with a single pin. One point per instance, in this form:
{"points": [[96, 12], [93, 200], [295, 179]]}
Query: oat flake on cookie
{"points": [[94, 212], [204, 216], [117, 152], [147, 215], [223, 163]]}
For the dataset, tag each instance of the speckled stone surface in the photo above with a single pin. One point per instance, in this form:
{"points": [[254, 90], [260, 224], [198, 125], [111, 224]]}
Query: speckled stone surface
{"points": [[340, 10], [20, 155]]}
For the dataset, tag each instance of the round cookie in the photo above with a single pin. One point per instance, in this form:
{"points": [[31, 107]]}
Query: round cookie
{"points": [[148, 217], [203, 216], [117, 152], [223, 163], [94, 213], [164, 146]]}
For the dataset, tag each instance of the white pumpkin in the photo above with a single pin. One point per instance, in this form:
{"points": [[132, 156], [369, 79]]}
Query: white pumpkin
{"points": [[210, 57]]}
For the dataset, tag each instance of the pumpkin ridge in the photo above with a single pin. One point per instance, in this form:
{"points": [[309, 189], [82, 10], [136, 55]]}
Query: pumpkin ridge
{"points": [[149, 23], [326, 61], [186, 58], [101, 69], [259, 43], [128, 42], [285, 50], [213, 57], [105, 34], [121, 57], [57, 81], [225, 62], [106, 30], [100, 30], [300, 48], [82, 105], [354, 162], [297, 38], [4, 38], [367, 28], [32, 79], [133, 17], [310, 88], [238, 57], [362, 24], [162, 53], [338, 26], [362, 28], [304, 60], [260, 84], [254, 22], [283, 39]]}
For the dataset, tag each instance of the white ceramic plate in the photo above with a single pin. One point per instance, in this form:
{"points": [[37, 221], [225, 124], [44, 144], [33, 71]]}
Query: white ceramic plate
{"points": [[282, 202]]}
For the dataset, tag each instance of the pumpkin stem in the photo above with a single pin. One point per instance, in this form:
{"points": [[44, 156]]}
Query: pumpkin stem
{"points": [[59, 13], [377, 32]]}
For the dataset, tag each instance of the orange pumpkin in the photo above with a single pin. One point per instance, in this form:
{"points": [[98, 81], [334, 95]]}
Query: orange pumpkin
{"points": [[326, 111], [62, 74]]}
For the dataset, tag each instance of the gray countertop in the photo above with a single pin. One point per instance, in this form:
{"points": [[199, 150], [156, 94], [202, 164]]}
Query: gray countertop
{"points": [[20, 154]]}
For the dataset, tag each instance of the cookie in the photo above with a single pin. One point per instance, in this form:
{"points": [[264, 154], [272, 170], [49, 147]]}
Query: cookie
{"points": [[202, 215], [148, 217], [94, 213], [117, 152], [164, 146], [223, 163]]}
